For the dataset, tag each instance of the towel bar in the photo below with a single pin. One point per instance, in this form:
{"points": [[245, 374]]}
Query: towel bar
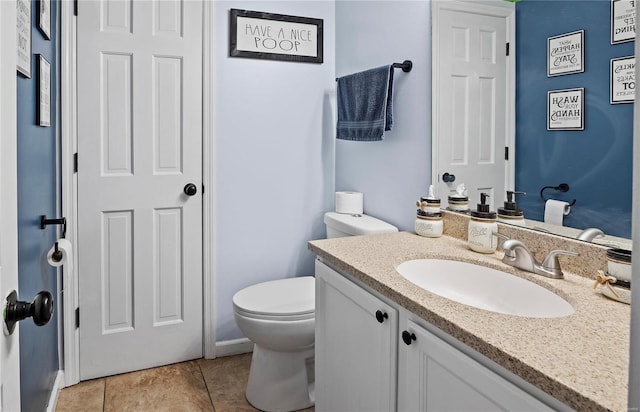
{"points": [[406, 66]]}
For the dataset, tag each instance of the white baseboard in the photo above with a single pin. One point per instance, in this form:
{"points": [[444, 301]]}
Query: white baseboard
{"points": [[55, 391], [233, 347]]}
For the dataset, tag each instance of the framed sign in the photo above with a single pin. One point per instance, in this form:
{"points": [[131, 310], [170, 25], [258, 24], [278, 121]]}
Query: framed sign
{"points": [[565, 54], [565, 109], [623, 80], [261, 35], [23, 40], [623, 21], [44, 18], [44, 92]]}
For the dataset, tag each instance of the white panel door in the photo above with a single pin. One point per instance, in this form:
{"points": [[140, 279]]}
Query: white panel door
{"points": [[139, 145], [438, 377], [355, 352], [471, 133], [9, 345]]}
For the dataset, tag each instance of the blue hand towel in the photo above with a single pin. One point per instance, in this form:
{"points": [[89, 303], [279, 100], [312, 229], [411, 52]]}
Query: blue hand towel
{"points": [[365, 108]]}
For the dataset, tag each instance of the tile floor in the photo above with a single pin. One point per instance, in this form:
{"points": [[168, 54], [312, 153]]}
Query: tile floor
{"points": [[201, 385]]}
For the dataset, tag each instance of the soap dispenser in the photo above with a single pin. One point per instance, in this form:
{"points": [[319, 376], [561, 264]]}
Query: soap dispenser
{"points": [[482, 226], [429, 204], [510, 213]]}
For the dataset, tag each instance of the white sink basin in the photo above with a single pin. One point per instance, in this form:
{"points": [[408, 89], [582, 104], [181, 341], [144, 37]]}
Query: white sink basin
{"points": [[484, 288]]}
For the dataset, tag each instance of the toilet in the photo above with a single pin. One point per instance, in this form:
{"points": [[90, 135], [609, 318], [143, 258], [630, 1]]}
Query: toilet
{"points": [[279, 318]]}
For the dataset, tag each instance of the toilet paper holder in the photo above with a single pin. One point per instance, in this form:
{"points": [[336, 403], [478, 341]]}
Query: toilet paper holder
{"points": [[44, 222], [562, 187]]}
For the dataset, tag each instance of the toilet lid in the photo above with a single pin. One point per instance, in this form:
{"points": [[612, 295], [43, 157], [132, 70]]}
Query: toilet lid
{"points": [[284, 297]]}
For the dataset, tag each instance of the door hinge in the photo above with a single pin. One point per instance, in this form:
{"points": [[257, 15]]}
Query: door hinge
{"points": [[77, 318], [75, 162], [202, 189], [506, 153], [75, 7], [507, 49]]}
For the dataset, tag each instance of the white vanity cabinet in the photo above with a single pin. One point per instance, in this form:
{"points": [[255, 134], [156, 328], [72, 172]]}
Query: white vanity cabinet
{"points": [[356, 346], [398, 364]]}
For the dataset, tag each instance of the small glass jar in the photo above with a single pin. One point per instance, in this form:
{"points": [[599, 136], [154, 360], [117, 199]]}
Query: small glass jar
{"points": [[458, 203], [429, 204], [429, 224]]}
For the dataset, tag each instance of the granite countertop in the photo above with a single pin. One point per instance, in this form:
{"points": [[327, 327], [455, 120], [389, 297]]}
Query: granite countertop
{"points": [[581, 360]]}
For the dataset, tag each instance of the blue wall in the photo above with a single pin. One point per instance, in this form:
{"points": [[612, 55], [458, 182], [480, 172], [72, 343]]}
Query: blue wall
{"points": [[596, 162], [37, 160]]}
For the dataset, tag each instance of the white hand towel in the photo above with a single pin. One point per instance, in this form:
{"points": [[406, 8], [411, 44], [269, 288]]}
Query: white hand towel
{"points": [[555, 210]]}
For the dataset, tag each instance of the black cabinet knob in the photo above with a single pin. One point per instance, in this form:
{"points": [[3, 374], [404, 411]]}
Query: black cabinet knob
{"points": [[40, 309], [190, 189], [408, 337], [381, 316]]}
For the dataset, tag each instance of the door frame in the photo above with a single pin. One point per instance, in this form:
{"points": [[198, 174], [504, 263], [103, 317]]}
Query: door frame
{"points": [[496, 8], [70, 185], [9, 345]]}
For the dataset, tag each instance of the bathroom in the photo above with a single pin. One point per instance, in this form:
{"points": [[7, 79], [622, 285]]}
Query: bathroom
{"points": [[264, 203]]}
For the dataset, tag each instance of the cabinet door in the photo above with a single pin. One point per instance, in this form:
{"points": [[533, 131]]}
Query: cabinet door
{"points": [[435, 376], [355, 352]]}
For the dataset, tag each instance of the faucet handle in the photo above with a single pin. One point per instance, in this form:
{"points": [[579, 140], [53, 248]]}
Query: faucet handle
{"points": [[551, 262]]}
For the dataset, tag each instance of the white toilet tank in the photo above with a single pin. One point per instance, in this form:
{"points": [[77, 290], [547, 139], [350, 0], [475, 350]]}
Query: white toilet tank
{"points": [[342, 224]]}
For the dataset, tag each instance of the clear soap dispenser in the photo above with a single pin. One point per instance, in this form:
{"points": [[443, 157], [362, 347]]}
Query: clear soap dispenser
{"points": [[481, 228], [510, 213]]}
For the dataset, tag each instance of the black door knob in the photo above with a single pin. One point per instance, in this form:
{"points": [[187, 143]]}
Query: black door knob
{"points": [[408, 337], [40, 309], [190, 189], [448, 178], [381, 316]]}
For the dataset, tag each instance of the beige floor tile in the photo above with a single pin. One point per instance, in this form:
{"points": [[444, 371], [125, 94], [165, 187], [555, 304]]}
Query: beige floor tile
{"points": [[178, 387], [86, 396], [226, 380]]}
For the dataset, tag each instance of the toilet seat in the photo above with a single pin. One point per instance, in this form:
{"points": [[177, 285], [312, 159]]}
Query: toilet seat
{"points": [[279, 300]]}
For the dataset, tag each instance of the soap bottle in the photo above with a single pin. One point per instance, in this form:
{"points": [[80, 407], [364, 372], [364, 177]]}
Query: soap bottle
{"points": [[429, 204], [482, 226], [459, 201], [510, 212]]}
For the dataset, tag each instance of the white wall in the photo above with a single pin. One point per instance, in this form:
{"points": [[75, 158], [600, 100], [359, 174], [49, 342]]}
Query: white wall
{"points": [[274, 144], [395, 172]]}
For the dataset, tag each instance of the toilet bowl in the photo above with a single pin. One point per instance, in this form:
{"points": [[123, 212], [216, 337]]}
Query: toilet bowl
{"points": [[279, 318]]}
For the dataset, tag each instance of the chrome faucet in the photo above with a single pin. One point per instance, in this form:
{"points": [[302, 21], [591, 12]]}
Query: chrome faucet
{"points": [[590, 233], [518, 255]]}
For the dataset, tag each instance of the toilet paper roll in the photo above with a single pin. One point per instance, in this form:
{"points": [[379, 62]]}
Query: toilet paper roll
{"points": [[64, 255], [555, 210], [349, 202]]}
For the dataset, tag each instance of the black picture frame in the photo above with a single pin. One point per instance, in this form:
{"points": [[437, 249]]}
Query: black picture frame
{"points": [[44, 18], [23, 47], [622, 82], [262, 35], [623, 23], [561, 115], [562, 55]]}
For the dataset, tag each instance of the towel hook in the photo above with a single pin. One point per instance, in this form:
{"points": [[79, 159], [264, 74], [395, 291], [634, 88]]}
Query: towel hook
{"points": [[562, 187], [44, 222]]}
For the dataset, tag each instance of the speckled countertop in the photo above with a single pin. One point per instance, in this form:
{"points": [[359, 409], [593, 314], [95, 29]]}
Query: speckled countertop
{"points": [[581, 360]]}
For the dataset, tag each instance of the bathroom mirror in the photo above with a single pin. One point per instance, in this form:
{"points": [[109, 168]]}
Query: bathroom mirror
{"points": [[595, 162]]}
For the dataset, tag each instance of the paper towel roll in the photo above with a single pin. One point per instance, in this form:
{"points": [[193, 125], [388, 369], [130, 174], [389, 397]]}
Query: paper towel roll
{"points": [[64, 256], [555, 210], [349, 202]]}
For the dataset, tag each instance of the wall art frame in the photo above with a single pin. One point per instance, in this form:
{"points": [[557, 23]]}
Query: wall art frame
{"points": [[623, 21], [23, 41], [261, 35], [44, 18], [565, 54], [623, 80], [43, 92], [565, 109]]}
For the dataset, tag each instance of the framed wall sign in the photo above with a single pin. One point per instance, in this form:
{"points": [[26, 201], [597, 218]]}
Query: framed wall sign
{"points": [[44, 18], [623, 21], [565, 109], [565, 54], [44, 92], [623, 80], [23, 40], [262, 35]]}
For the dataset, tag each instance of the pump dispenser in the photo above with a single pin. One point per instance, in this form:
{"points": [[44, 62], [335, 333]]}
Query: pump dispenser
{"points": [[482, 226], [510, 213]]}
